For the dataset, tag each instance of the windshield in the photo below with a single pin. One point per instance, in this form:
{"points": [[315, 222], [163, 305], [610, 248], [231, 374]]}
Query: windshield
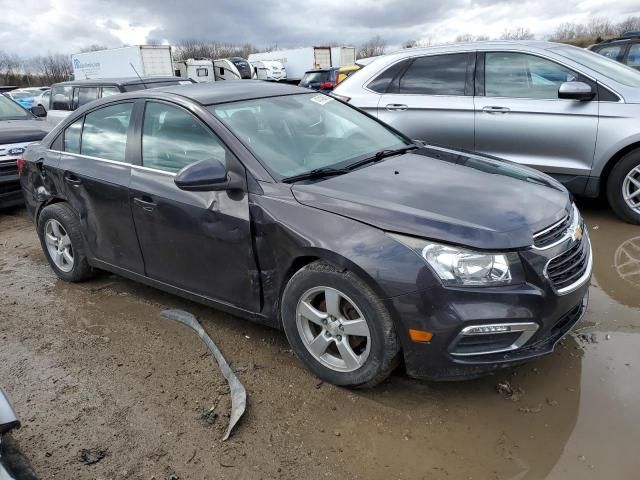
{"points": [[601, 64], [21, 94], [292, 135], [10, 110]]}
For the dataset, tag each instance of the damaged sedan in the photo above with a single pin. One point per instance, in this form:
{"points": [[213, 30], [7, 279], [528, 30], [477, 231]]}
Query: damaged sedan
{"points": [[296, 210]]}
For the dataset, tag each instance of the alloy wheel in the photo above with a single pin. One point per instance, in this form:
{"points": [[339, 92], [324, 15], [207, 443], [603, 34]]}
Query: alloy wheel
{"points": [[333, 329], [58, 245], [631, 189]]}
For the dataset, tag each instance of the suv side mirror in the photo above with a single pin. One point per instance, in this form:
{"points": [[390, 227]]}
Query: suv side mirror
{"points": [[575, 91], [207, 176], [39, 111]]}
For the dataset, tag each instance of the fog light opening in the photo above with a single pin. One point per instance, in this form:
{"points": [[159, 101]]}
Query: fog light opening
{"points": [[420, 336]]}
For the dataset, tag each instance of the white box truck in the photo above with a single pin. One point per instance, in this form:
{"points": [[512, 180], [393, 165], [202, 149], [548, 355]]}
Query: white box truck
{"points": [[298, 60], [137, 60]]}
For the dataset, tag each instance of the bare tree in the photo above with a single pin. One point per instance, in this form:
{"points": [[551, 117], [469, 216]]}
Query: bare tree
{"points": [[373, 47], [628, 25], [518, 33], [94, 47], [211, 49], [464, 38], [410, 44]]}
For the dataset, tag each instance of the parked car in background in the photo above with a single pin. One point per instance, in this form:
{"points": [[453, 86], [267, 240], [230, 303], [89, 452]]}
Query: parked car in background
{"points": [[18, 128], [269, 70], [561, 109], [69, 96], [23, 97], [323, 79], [624, 49], [365, 246], [42, 99]]}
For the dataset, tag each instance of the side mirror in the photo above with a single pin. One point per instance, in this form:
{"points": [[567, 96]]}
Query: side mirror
{"points": [[575, 91], [39, 111], [207, 176]]}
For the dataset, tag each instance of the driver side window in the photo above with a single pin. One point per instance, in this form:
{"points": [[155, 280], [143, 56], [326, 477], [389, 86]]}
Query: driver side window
{"points": [[518, 75], [173, 138]]}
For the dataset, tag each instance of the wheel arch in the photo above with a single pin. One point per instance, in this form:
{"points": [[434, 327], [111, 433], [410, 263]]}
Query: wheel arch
{"points": [[606, 171]]}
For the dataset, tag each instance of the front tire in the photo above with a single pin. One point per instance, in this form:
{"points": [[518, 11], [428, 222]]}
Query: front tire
{"points": [[623, 188], [61, 240], [338, 326]]}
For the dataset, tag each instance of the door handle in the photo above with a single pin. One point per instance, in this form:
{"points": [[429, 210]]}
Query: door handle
{"points": [[399, 107], [71, 179], [145, 202], [496, 109]]}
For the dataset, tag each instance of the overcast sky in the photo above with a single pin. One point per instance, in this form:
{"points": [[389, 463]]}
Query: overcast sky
{"points": [[30, 27]]}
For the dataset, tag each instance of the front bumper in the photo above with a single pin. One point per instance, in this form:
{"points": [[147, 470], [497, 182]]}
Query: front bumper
{"points": [[10, 191], [540, 313]]}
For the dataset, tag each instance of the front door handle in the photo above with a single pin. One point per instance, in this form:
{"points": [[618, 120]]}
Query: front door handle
{"points": [[493, 109], [145, 202], [396, 107]]}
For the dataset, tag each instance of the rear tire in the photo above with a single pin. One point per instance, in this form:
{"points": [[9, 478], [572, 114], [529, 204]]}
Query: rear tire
{"points": [[351, 340], [62, 243], [624, 180]]}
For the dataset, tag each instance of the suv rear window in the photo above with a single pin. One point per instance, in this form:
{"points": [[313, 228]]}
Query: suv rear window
{"points": [[61, 97], [381, 83], [315, 77]]}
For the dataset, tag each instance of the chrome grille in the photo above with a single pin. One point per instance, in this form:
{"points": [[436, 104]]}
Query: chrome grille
{"points": [[568, 269], [550, 235]]}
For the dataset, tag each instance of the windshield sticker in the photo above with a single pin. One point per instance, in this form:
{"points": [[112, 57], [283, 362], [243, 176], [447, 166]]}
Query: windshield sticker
{"points": [[321, 99]]}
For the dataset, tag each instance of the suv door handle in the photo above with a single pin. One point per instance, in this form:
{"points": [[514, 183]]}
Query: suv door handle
{"points": [[400, 107], [145, 202], [496, 109]]}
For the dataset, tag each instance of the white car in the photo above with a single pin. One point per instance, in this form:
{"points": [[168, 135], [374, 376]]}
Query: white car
{"points": [[42, 99]]}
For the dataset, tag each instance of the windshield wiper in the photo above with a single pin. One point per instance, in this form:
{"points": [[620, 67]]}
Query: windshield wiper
{"points": [[316, 173], [379, 155]]}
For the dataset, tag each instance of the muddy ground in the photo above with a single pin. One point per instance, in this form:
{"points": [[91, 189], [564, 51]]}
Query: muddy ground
{"points": [[93, 366]]}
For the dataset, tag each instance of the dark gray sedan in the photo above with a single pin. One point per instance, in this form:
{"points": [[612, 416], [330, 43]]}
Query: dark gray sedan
{"points": [[296, 210]]}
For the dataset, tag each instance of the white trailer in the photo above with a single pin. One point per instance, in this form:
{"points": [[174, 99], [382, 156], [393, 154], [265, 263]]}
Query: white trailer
{"points": [[137, 60], [298, 60], [269, 70], [343, 56], [198, 69]]}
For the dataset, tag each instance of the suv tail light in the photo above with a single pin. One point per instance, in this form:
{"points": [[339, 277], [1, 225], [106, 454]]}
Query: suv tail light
{"points": [[327, 85], [20, 164]]}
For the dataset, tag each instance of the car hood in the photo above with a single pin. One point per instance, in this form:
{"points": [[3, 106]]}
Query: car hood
{"points": [[445, 195], [19, 131]]}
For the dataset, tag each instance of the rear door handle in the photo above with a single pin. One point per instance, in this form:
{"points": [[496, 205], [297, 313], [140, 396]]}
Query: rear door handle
{"points": [[493, 109], [71, 179], [399, 107], [145, 202]]}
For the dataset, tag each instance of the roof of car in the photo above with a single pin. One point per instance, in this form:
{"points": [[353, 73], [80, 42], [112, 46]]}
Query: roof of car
{"points": [[231, 90], [484, 45], [122, 80]]}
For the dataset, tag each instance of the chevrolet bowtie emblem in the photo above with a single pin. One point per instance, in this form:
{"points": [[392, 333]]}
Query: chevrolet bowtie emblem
{"points": [[577, 233]]}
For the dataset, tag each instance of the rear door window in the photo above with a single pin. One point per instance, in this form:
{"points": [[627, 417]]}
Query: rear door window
{"points": [[436, 75], [633, 57], [86, 95], [382, 82], [105, 132], [173, 138], [61, 97], [614, 52]]}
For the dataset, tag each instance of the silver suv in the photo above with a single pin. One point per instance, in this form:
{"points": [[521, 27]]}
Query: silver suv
{"points": [[566, 111]]}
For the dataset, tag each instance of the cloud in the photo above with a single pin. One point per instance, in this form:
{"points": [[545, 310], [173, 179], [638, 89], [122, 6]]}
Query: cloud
{"points": [[41, 26]]}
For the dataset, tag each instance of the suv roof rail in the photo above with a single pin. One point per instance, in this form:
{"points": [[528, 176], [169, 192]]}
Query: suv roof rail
{"points": [[631, 33]]}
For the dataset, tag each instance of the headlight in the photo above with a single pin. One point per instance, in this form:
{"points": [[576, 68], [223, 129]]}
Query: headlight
{"points": [[458, 266]]}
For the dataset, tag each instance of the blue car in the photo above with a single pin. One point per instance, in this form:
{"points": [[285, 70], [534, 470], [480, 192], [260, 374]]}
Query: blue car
{"points": [[323, 79], [24, 98]]}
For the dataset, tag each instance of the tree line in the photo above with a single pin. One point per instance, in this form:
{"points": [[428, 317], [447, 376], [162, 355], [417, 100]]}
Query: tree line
{"points": [[56, 67]]}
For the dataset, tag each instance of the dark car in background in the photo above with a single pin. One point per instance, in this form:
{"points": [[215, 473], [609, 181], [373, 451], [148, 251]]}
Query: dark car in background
{"points": [[18, 128], [294, 209], [322, 79], [624, 49], [68, 96]]}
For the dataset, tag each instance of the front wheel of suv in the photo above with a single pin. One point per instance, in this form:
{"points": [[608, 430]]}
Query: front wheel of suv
{"points": [[623, 187], [338, 326]]}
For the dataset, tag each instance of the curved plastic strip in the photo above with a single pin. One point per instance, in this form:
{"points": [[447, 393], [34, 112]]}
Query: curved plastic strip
{"points": [[238, 393], [8, 418]]}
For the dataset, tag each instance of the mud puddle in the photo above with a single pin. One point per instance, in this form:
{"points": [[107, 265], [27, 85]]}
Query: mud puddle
{"points": [[92, 366]]}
